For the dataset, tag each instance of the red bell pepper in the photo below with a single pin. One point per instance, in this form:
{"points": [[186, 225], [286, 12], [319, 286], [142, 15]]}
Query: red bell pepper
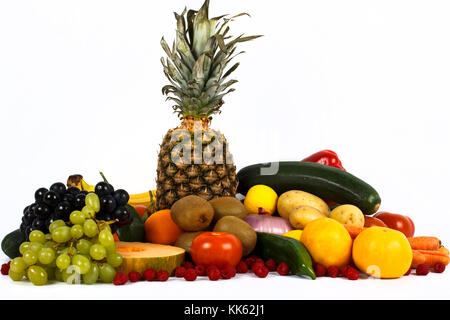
{"points": [[326, 157]]}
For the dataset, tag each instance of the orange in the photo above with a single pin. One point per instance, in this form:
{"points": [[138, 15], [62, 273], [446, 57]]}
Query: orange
{"points": [[382, 252], [328, 242], [160, 228]]}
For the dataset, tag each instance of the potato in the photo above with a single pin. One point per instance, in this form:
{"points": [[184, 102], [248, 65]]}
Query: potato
{"points": [[348, 214], [290, 200], [301, 216]]}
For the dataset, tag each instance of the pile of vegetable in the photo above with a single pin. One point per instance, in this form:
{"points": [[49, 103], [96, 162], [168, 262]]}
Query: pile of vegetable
{"points": [[309, 219], [306, 218], [335, 215]]}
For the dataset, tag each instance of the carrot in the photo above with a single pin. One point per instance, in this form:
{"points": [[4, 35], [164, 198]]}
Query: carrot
{"points": [[430, 259], [424, 243], [434, 252], [418, 258], [444, 250], [353, 230]]}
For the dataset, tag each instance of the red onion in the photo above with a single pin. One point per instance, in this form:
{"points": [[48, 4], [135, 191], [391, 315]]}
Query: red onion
{"points": [[269, 224]]}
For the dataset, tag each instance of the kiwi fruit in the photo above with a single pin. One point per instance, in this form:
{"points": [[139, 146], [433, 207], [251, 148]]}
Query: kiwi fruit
{"points": [[192, 213], [227, 206], [185, 240], [240, 229]]}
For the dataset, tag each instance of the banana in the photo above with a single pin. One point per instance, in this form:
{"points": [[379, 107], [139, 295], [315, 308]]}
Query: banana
{"points": [[86, 186], [143, 198], [77, 180]]}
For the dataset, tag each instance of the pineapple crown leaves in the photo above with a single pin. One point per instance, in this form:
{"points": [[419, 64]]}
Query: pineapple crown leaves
{"points": [[196, 63]]}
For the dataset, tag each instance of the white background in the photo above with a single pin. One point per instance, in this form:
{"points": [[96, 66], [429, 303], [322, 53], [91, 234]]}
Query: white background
{"points": [[80, 92]]}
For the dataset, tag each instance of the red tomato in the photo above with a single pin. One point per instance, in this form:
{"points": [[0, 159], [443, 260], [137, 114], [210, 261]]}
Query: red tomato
{"points": [[140, 209], [373, 222], [216, 248], [398, 222]]}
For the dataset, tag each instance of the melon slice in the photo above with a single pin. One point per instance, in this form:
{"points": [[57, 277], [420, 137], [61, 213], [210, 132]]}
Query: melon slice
{"points": [[138, 256]]}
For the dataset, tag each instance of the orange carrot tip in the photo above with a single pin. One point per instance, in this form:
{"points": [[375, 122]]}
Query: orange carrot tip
{"points": [[444, 250]]}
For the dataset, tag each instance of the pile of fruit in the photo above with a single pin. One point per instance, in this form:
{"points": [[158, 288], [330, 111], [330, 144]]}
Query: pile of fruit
{"points": [[285, 226], [59, 202], [307, 218], [74, 245]]}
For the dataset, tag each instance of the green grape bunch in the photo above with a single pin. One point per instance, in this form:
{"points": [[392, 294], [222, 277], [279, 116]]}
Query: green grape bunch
{"points": [[81, 250]]}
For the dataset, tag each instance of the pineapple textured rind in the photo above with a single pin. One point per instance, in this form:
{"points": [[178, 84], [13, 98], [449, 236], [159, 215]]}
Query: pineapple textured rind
{"points": [[196, 160], [195, 176]]}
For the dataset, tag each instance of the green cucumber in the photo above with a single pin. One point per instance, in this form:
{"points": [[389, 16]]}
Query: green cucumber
{"points": [[11, 243], [284, 249], [135, 232], [326, 182]]}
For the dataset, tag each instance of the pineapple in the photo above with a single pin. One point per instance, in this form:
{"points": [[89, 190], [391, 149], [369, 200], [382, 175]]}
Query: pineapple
{"points": [[194, 159]]}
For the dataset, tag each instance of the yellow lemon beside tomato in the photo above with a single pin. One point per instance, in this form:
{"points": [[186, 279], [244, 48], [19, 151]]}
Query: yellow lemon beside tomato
{"points": [[261, 199], [328, 242], [382, 252]]}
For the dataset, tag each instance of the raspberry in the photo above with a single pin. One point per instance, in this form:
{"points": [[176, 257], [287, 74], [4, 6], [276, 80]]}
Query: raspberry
{"points": [[320, 270], [5, 268], [439, 267], [228, 272], [422, 269], [333, 271], [283, 269], [120, 279], [249, 261], [271, 265], [134, 276], [408, 272], [200, 269], [190, 275], [180, 272], [162, 275], [149, 274], [350, 268], [242, 267], [188, 265], [351, 273], [344, 270], [232, 271], [261, 272], [257, 265], [211, 267], [214, 274]]}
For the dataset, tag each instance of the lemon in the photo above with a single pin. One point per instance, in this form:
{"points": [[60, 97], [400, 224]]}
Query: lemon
{"points": [[261, 198], [294, 234]]}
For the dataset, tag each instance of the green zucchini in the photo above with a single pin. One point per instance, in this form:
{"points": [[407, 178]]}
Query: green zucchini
{"points": [[284, 249], [326, 182], [11, 243]]}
